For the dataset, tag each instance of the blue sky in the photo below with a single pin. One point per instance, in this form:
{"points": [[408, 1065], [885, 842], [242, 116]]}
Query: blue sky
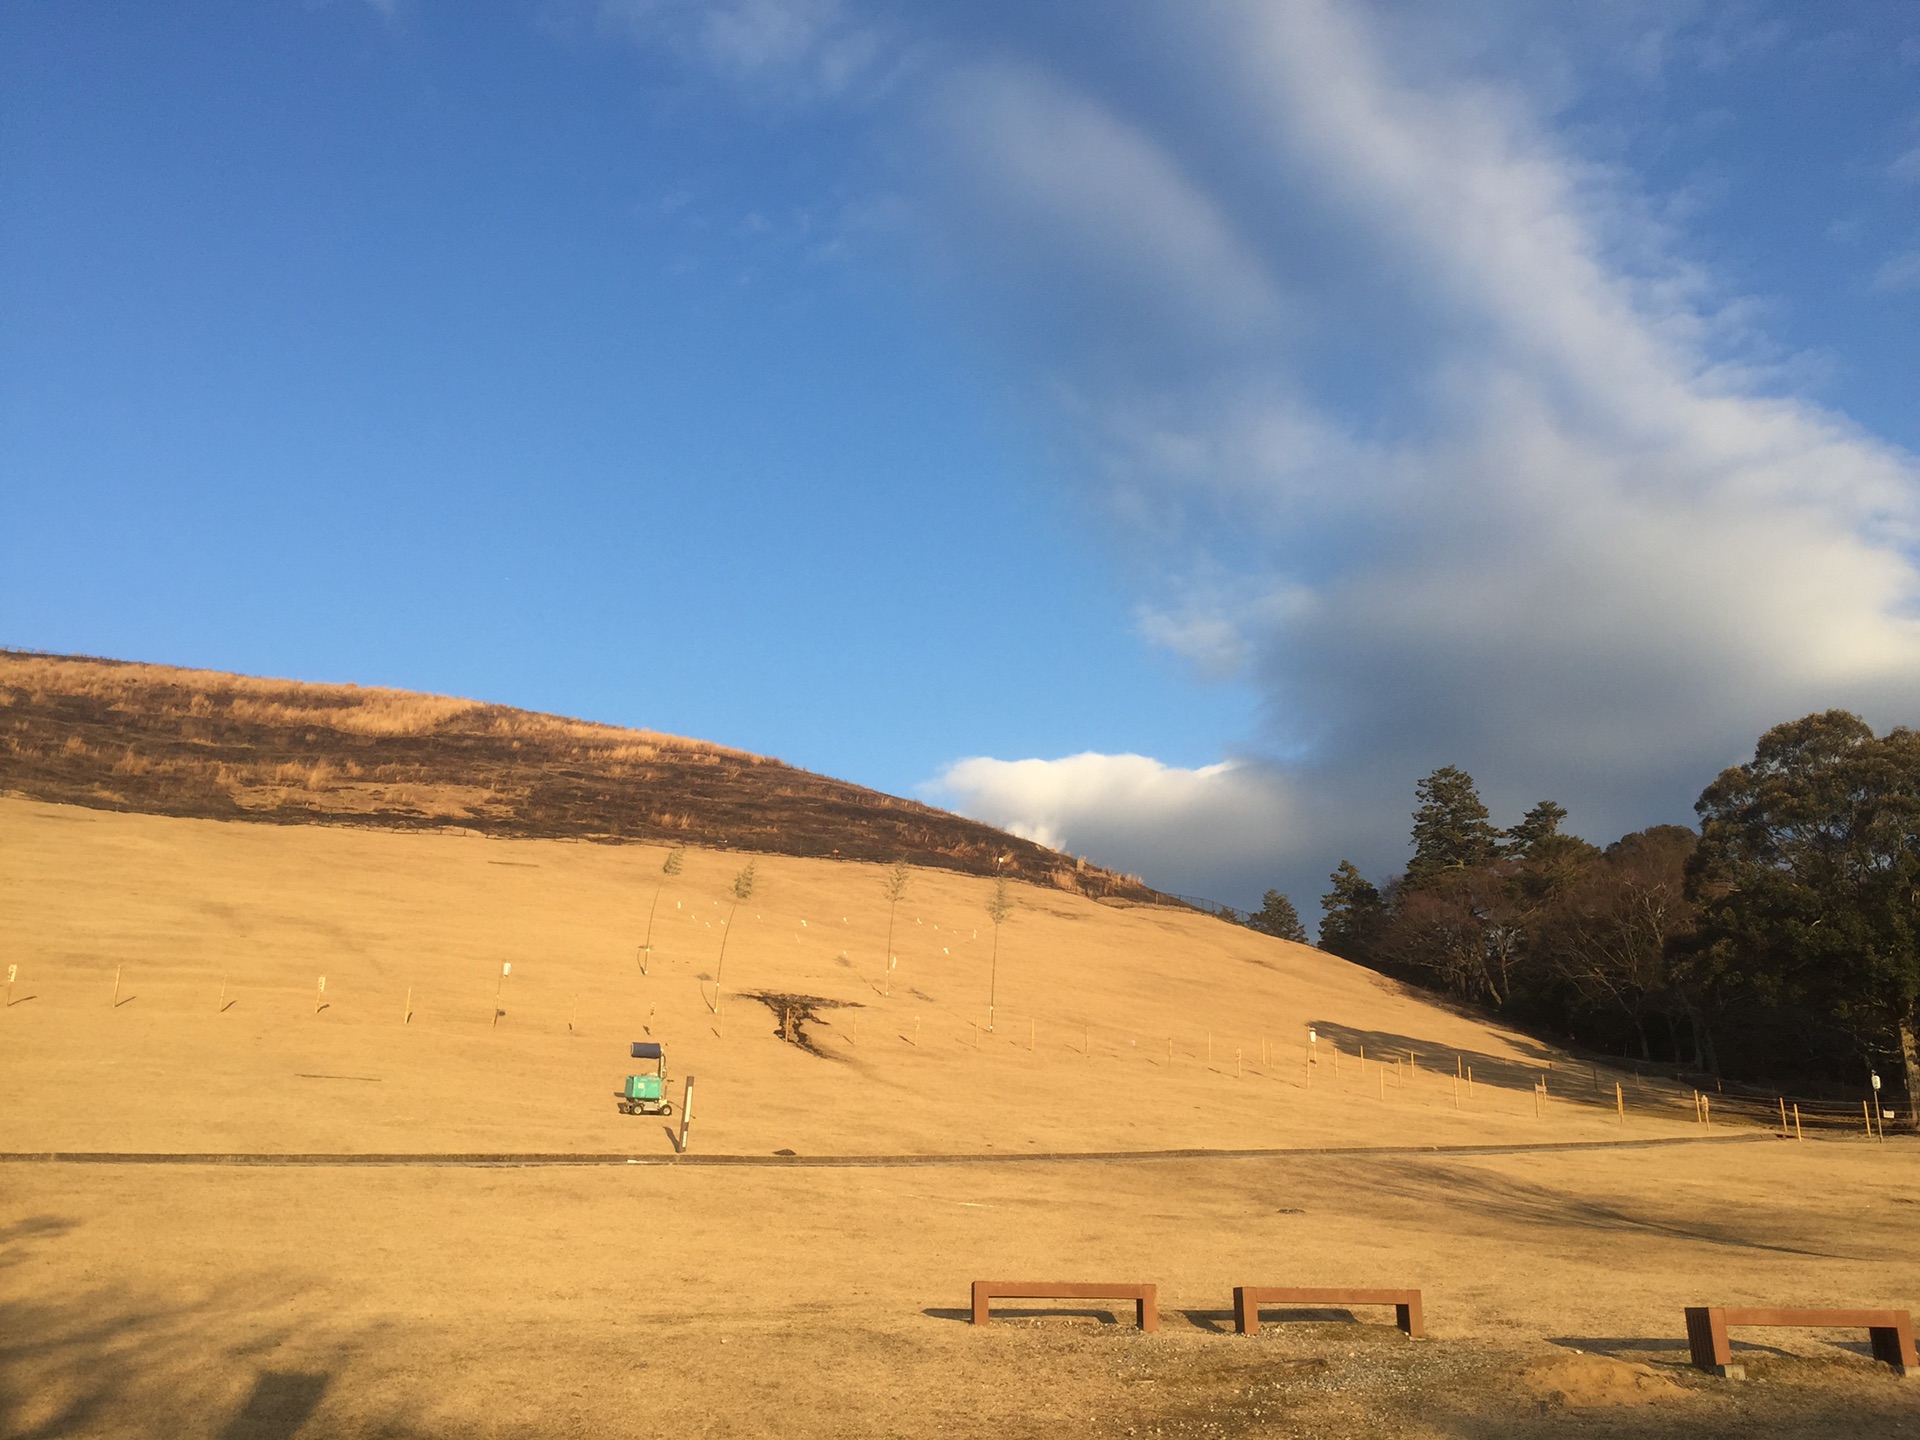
{"points": [[1167, 428]]}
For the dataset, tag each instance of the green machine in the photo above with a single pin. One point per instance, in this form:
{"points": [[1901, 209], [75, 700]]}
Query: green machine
{"points": [[646, 1094]]}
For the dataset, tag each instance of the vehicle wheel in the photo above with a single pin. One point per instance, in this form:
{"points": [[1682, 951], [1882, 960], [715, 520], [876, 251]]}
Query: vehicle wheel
{"points": [[666, 1109]]}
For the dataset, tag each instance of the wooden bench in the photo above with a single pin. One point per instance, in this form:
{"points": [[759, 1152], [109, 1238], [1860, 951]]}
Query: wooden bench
{"points": [[1144, 1297], [1890, 1330], [1247, 1300]]}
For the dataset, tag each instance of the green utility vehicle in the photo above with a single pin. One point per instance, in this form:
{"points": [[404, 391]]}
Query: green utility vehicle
{"points": [[646, 1094]]}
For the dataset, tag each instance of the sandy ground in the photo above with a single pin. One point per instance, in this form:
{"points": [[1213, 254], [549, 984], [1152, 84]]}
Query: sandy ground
{"points": [[755, 1300]]}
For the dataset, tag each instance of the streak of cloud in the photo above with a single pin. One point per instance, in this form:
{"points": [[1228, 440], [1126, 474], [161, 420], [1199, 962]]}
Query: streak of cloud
{"points": [[1414, 418]]}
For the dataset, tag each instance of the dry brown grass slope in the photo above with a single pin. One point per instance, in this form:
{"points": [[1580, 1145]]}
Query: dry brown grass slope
{"points": [[154, 739]]}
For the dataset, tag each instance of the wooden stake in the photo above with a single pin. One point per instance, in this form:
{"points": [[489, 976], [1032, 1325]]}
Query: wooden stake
{"points": [[1336, 1057], [1867, 1115], [686, 1115], [116, 985], [407, 1018], [1706, 1111], [1469, 1082], [1383, 1082], [1456, 1092], [320, 996], [1620, 1101], [223, 995], [1796, 1122], [1169, 1052], [1783, 1117]]}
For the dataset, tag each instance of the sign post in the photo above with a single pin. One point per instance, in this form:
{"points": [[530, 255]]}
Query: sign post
{"points": [[506, 969], [686, 1115]]}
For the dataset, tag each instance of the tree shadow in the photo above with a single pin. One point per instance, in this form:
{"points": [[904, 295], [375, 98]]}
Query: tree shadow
{"points": [[1510, 1199], [279, 1404], [1576, 1081]]}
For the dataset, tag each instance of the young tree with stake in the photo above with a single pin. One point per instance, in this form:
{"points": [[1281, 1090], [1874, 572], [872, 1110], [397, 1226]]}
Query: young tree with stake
{"points": [[671, 866], [894, 887], [999, 907], [742, 889]]}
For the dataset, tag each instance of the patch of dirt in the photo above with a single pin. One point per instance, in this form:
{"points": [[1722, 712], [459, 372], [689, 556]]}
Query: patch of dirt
{"points": [[1582, 1381]]}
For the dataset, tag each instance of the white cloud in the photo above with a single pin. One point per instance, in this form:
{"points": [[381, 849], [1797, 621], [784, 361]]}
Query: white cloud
{"points": [[808, 48], [1562, 536], [1899, 273], [1186, 830], [1425, 424]]}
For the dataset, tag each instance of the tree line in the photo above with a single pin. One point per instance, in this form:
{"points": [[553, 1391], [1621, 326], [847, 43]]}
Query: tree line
{"points": [[1779, 942]]}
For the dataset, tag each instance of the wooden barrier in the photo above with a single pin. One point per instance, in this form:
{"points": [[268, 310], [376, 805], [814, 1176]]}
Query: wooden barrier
{"points": [[1890, 1330], [1247, 1300], [1144, 1297]]}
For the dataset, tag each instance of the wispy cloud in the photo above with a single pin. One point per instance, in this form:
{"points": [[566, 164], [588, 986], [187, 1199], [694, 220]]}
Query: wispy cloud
{"points": [[1426, 427]]}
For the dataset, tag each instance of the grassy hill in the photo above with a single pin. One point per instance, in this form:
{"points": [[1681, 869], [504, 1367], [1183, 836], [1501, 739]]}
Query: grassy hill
{"points": [[152, 739]]}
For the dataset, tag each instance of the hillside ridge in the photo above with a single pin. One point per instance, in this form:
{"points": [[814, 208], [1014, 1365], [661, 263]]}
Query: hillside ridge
{"points": [[164, 740]]}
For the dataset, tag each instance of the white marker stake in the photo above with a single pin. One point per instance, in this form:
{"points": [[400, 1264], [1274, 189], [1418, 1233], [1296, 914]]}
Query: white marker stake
{"points": [[686, 1114], [116, 985], [12, 970], [320, 996], [506, 969]]}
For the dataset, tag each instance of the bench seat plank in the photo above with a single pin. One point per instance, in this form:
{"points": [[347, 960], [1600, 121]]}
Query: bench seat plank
{"points": [[1247, 1300], [1144, 1297], [1891, 1332]]}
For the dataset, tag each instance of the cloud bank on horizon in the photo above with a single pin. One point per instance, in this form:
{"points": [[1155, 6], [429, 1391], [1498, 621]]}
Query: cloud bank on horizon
{"points": [[1407, 411]]}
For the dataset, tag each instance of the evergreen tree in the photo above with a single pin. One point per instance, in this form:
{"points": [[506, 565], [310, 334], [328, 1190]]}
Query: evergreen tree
{"points": [[1535, 834], [1451, 830], [1276, 916], [1808, 871], [1352, 914]]}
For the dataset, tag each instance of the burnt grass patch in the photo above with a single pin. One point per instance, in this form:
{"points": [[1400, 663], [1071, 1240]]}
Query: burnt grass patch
{"points": [[793, 1013], [152, 739]]}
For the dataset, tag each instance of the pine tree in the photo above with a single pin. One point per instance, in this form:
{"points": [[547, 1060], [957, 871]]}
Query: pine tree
{"points": [[1451, 830], [1537, 831], [1351, 913], [1277, 917]]}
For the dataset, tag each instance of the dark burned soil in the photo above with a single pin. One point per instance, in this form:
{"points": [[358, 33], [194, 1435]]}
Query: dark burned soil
{"points": [[156, 740]]}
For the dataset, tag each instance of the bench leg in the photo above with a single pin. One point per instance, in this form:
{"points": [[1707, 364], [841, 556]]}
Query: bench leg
{"points": [[1894, 1345], [1409, 1319], [1707, 1339], [1147, 1310], [1246, 1313], [980, 1298]]}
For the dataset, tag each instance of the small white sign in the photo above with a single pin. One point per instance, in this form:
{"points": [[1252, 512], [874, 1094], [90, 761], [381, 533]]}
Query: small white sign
{"points": [[12, 970], [323, 983], [507, 968], [1876, 1080], [1312, 1037]]}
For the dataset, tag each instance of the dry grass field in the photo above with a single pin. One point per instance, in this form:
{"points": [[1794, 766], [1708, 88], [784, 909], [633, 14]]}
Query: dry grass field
{"points": [[745, 1290]]}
